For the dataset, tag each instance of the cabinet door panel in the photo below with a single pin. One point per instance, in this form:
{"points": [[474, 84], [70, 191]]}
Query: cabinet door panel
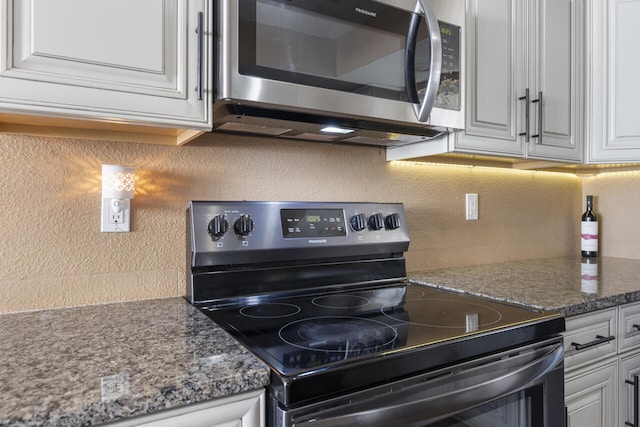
{"points": [[78, 36], [118, 45], [556, 67], [555, 70], [624, 64], [238, 410], [614, 65], [585, 329], [629, 366], [628, 327], [106, 60], [493, 101], [494, 75], [590, 396]]}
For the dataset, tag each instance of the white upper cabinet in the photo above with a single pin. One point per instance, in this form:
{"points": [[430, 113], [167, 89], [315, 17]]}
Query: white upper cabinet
{"points": [[555, 76], [613, 86], [495, 75], [134, 62], [515, 48]]}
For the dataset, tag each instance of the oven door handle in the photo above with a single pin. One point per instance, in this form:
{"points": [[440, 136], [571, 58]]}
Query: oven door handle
{"points": [[471, 389], [435, 65]]}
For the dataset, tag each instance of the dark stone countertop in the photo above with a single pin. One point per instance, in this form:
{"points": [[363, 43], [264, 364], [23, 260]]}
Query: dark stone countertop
{"points": [[554, 284], [95, 364]]}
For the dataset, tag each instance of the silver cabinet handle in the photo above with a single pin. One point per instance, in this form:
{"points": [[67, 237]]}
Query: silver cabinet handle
{"points": [[525, 98], [423, 110], [636, 393], [199, 31], [539, 101]]}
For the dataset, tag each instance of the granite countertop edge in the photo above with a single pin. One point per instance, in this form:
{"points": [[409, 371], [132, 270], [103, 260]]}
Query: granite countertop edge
{"points": [[158, 354]]}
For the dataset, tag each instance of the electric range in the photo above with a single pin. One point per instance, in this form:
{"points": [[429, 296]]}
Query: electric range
{"points": [[318, 291]]}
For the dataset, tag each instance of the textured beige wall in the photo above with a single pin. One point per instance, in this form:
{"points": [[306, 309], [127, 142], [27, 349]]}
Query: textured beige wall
{"points": [[617, 203], [52, 253]]}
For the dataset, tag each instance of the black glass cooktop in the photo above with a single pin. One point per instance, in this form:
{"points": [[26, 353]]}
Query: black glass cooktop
{"points": [[303, 334]]}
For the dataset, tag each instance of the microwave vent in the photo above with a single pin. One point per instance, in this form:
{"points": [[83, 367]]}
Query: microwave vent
{"points": [[389, 141], [253, 129], [312, 137]]}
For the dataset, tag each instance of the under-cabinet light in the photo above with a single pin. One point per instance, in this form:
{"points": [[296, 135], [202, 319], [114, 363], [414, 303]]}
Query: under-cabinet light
{"points": [[335, 129]]}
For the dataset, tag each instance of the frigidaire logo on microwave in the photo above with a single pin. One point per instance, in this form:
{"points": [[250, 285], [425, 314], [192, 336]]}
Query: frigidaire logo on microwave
{"points": [[366, 12]]}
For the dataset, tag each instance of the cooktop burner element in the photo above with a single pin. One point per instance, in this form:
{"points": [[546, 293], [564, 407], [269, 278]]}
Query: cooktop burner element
{"points": [[341, 301], [346, 335], [266, 311], [443, 313]]}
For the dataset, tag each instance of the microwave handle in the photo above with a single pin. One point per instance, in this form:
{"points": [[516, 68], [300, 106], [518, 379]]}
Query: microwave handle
{"points": [[423, 110]]}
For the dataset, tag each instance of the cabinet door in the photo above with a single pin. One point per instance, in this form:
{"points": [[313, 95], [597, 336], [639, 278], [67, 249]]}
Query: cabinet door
{"points": [[613, 130], [587, 330], [629, 327], [590, 395], [554, 67], [629, 368], [113, 60], [240, 410], [495, 76]]}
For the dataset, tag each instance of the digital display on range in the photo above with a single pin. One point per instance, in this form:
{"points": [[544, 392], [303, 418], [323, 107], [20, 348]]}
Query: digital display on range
{"points": [[310, 223]]}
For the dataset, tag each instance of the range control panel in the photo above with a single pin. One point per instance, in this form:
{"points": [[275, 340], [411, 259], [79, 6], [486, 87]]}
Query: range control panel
{"points": [[240, 232]]}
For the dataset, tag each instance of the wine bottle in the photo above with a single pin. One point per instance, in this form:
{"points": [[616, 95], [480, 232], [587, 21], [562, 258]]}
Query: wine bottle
{"points": [[589, 231]]}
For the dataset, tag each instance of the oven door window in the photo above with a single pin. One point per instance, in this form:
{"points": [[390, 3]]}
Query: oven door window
{"points": [[336, 46]]}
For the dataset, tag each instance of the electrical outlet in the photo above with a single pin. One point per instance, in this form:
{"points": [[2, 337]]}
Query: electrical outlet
{"points": [[115, 216], [471, 207]]}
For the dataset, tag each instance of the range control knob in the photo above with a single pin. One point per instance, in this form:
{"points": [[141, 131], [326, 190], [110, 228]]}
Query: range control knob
{"points": [[218, 226], [392, 221], [375, 221], [358, 222], [243, 225]]}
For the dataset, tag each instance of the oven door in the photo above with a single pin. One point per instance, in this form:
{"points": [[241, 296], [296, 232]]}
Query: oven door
{"points": [[523, 387], [375, 59]]}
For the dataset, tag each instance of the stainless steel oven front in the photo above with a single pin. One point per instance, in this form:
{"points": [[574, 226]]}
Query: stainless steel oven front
{"points": [[318, 291], [515, 388]]}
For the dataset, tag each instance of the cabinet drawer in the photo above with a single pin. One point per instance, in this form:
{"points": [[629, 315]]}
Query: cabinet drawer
{"points": [[629, 327], [590, 337]]}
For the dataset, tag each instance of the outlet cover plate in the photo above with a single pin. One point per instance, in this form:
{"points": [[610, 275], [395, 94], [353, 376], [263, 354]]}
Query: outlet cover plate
{"points": [[471, 207]]}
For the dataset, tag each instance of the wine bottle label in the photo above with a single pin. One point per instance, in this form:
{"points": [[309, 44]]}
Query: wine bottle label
{"points": [[589, 278], [589, 236]]}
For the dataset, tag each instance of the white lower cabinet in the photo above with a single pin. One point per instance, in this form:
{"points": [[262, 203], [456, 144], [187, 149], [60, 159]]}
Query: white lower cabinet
{"points": [[590, 395], [239, 410], [602, 367], [629, 377]]}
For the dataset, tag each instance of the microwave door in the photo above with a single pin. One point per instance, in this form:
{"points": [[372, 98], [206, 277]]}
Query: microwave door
{"points": [[423, 109]]}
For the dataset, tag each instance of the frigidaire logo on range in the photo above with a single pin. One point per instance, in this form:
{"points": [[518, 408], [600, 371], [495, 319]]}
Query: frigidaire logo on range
{"points": [[366, 12], [318, 241]]}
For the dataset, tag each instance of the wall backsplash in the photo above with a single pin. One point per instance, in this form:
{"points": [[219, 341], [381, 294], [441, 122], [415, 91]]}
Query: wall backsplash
{"points": [[54, 255], [616, 198]]}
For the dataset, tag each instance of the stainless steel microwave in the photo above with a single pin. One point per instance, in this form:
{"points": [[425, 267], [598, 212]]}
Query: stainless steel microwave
{"points": [[382, 73]]}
